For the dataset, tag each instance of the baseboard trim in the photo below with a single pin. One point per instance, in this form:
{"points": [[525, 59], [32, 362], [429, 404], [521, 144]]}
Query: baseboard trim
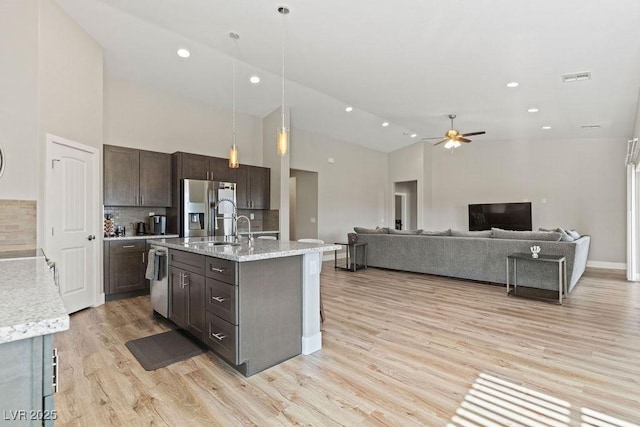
{"points": [[608, 265], [312, 344], [100, 300]]}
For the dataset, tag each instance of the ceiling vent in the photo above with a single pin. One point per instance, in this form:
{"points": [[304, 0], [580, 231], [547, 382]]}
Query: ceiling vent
{"points": [[593, 126], [576, 77]]}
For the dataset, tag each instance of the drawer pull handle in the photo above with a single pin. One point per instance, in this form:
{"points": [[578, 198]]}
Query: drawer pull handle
{"points": [[56, 367], [128, 246], [218, 270], [218, 299], [218, 336]]}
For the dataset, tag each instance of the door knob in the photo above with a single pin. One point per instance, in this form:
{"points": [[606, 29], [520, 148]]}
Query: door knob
{"points": [[91, 237]]}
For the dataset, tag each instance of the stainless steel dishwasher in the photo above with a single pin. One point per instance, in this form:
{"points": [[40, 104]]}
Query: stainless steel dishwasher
{"points": [[160, 288]]}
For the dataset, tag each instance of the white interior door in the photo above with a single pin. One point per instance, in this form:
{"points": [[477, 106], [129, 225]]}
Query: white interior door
{"points": [[72, 220]]}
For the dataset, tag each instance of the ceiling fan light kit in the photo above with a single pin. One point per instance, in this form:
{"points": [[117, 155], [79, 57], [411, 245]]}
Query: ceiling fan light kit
{"points": [[453, 138]]}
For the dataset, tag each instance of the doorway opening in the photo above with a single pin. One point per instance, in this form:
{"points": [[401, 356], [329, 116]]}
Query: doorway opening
{"points": [[303, 204], [405, 205]]}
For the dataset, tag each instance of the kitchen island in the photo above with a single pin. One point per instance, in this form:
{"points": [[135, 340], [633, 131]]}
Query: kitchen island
{"points": [[31, 311], [255, 304]]}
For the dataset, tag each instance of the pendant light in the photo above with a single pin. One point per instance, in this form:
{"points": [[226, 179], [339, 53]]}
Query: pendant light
{"points": [[283, 132], [233, 152]]}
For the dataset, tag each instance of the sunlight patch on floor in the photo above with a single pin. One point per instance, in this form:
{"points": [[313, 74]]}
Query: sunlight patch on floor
{"points": [[494, 402]]}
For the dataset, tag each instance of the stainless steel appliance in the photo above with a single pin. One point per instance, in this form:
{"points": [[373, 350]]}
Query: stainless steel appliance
{"points": [[158, 224], [208, 208], [160, 287]]}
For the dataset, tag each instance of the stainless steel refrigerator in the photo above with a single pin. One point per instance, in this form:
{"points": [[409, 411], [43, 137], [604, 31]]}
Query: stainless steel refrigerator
{"points": [[207, 208]]}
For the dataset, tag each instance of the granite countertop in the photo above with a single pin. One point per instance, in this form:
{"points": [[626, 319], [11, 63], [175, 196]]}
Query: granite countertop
{"points": [[22, 253], [30, 302], [261, 249], [144, 236]]}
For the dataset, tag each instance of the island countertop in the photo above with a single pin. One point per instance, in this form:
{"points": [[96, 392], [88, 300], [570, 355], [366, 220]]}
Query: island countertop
{"points": [[242, 251], [30, 303]]}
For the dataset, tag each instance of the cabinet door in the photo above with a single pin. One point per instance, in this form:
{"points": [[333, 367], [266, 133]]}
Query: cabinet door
{"points": [[220, 169], [194, 166], [127, 264], [121, 176], [194, 287], [177, 297], [260, 187], [242, 187], [155, 179]]}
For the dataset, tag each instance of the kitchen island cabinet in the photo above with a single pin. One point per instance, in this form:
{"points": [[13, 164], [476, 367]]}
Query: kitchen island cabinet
{"points": [[31, 311], [260, 303]]}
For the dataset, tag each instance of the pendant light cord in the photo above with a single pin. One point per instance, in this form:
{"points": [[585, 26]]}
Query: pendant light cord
{"points": [[233, 137], [283, 37]]}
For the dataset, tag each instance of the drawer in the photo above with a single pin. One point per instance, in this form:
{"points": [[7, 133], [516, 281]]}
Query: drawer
{"points": [[221, 300], [221, 269], [187, 261], [128, 245], [222, 337]]}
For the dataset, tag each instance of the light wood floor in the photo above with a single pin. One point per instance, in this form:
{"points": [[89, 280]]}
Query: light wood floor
{"points": [[398, 349]]}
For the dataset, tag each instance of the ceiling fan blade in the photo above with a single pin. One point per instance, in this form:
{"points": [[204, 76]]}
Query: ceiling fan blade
{"points": [[433, 137], [440, 142], [461, 139], [473, 133]]}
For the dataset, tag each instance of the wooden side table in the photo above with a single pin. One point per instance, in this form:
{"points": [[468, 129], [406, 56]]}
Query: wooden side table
{"points": [[351, 266], [538, 293]]}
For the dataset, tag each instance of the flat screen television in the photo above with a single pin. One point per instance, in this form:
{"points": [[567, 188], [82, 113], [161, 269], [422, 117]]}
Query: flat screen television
{"points": [[508, 216]]}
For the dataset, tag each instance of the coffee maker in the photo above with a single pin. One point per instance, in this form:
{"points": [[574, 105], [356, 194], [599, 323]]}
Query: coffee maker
{"points": [[158, 224]]}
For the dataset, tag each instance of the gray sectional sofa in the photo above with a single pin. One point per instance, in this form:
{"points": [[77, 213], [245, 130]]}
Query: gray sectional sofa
{"points": [[475, 258]]}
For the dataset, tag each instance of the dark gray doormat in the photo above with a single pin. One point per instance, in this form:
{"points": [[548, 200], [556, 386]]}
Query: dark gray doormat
{"points": [[158, 351]]}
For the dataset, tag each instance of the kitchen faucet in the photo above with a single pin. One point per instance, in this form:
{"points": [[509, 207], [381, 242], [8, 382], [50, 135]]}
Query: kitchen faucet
{"points": [[248, 221]]}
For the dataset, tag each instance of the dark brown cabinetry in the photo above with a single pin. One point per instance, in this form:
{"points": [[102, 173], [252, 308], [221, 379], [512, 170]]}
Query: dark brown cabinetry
{"points": [[251, 311], [253, 187], [186, 290], [136, 177], [125, 266]]}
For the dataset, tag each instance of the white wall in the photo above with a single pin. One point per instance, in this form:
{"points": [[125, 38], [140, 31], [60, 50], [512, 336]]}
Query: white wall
{"points": [[408, 164], [19, 98], [352, 191], [583, 182], [279, 166], [151, 119], [305, 221]]}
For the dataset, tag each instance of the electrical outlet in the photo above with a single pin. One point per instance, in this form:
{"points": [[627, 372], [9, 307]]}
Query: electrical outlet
{"points": [[332, 160], [544, 201], [152, 213], [313, 220], [251, 216]]}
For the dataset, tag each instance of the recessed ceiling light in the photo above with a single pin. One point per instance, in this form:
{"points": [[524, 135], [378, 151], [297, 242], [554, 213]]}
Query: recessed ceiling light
{"points": [[254, 79], [546, 127], [533, 110], [348, 109], [513, 84], [385, 124], [413, 135], [183, 53]]}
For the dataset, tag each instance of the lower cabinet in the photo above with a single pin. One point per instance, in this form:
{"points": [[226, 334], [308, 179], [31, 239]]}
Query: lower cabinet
{"points": [[27, 377], [249, 313], [125, 265]]}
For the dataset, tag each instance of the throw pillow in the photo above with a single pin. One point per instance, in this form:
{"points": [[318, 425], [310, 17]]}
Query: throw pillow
{"points": [[394, 231], [462, 233], [574, 234], [363, 230], [550, 236], [446, 232], [565, 236]]}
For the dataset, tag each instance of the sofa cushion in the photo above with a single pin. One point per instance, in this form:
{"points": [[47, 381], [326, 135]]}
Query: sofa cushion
{"points": [[550, 236], [574, 234], [462, 233], [446, 232], [363, 230], [394, 231]]}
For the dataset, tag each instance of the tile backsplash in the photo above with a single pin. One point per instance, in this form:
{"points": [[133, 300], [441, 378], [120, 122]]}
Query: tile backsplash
{"points": [[18, 224], [130, 216]]}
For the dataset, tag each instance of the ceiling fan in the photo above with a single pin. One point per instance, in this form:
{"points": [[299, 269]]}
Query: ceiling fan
{"points": [[453, 138]]}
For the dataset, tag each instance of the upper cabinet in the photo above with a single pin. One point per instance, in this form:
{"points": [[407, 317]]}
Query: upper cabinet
{"points": [[196, 166], [253, 187], [136, 177]]}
